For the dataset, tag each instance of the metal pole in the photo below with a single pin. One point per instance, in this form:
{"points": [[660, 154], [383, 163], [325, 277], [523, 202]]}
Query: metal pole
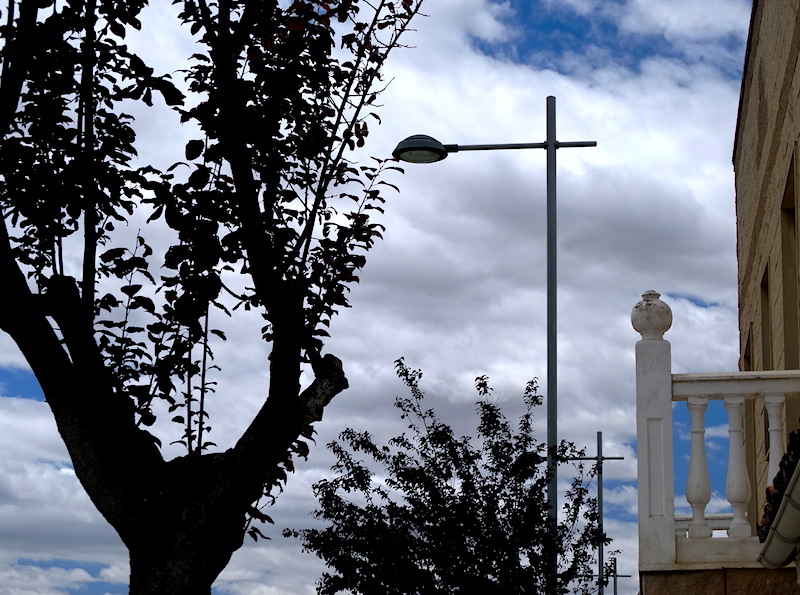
{"points": [[600, 458], [551, 144], [615, 576], [552, 398], [601, 590], [552, 390]]}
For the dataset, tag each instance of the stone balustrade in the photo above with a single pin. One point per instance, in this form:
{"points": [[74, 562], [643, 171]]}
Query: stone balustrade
{"points": [[667, 543]]}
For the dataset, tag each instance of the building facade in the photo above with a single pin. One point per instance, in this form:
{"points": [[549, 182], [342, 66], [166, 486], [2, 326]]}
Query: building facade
{"points": [[766, 173], [722, 554]]}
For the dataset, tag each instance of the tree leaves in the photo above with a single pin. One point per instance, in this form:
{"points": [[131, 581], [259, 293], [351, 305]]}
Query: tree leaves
{"points": [[448, 514], [194, 148], [265, 209], [200, 177]]}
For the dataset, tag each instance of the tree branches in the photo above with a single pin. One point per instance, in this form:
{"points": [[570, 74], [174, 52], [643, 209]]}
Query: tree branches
{"points": [[120, 330], [448, 514]]}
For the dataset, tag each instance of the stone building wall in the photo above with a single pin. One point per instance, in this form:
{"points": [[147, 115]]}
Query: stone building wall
{"points": [[766, 166], [724, 581]]}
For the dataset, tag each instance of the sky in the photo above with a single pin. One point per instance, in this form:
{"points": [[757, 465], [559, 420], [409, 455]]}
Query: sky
{"points": [[458, 286]]}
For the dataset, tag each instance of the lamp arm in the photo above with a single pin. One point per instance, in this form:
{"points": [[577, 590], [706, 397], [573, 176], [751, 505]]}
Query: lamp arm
{"points": [[559, 145]]}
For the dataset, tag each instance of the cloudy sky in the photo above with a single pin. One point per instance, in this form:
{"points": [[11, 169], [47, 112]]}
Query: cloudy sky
{"points": [[458, 285]]}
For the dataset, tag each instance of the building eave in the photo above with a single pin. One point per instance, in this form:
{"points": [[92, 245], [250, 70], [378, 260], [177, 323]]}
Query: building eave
{"points": [[745, 86]]}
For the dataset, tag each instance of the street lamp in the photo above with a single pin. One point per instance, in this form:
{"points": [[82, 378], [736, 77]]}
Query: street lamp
{"points": [[421, 148]]}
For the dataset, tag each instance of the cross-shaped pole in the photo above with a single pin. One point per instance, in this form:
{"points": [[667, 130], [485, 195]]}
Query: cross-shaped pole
{"points": [[421, 148], [551, 144], [600, 458]]}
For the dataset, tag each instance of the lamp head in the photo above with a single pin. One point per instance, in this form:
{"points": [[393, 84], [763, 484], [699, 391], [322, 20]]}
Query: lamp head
{"points": [[420, 148]]}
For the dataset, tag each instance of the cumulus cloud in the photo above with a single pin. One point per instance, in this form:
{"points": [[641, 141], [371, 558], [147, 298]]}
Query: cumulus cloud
{"points": [[10, 356], [686, 19], [458, 286], [32, 580]]}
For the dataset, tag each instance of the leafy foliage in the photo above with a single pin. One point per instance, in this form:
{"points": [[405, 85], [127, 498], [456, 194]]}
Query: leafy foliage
{"points": [[267, 190], [445, 515], [266, 210]]}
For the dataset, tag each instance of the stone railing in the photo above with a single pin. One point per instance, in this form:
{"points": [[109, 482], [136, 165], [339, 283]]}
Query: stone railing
{"points": [[667, 543]]}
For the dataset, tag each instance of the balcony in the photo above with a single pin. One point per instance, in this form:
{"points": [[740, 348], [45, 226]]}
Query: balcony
{"points": [[700, 542]]}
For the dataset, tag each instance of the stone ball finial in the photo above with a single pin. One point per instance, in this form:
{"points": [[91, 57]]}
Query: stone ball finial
{"points": [[651, 317]]}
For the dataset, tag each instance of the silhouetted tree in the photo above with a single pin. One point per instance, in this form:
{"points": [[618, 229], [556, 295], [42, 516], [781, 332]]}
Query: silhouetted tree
{"points": [[442, 514], [265, 210]]}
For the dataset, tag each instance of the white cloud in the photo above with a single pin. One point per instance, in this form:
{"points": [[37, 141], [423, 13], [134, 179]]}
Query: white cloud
{"points": [[458, 285], [675, 20], [29, 432], [712, 32], [687, 19], [716, 505], [10, 356], [32, 580], [44, 512], [625, 497], [720, 431]]}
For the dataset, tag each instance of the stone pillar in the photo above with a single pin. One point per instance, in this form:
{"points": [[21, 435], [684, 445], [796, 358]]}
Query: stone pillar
{"points": [[774, 404], [698, 486], [652, 318], [737, 486]]}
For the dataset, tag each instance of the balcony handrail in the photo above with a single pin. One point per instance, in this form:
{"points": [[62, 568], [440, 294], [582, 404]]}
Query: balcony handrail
{"points": [[721, 385], [666, 543]]}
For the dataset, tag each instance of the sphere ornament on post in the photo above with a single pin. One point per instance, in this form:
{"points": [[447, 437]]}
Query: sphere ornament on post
{"points": [[651, 317]]}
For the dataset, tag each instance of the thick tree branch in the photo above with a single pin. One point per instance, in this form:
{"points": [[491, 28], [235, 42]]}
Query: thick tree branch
{"points": [[256, 242], [264, 444], [29, 328], [329, 381], [87, 137], [16, 56], [113, 459], [269, 438]]}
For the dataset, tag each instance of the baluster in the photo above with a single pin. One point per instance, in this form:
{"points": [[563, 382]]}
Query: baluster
{"points": [[737, 487], [698, 486], [774, 405]]}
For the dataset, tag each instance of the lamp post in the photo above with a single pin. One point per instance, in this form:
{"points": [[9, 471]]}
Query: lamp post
{"points": [[425, 149]]}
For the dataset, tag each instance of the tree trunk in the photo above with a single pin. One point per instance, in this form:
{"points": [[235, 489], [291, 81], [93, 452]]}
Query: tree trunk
{"points": [[174, 574], [189, 529], [158, 570]]}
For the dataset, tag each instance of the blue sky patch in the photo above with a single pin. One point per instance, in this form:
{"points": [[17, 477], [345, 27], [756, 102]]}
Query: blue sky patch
{"points": [[19, 383], [694, 299], [557, 37], [716, 448]]}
